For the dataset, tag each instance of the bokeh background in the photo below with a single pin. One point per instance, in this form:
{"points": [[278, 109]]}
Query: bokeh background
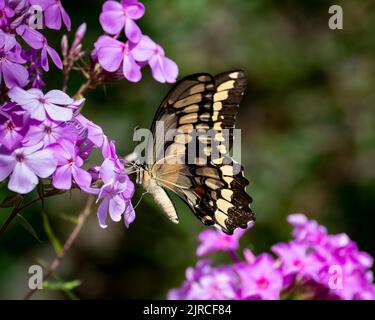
{"points": [[308, 139]]}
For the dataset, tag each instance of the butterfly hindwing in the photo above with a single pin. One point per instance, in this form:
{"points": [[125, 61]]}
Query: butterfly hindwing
{"points": [[212, 186]]}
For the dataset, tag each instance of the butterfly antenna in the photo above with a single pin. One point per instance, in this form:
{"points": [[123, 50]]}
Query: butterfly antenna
{"points": [[131, 165], [140, 199]]}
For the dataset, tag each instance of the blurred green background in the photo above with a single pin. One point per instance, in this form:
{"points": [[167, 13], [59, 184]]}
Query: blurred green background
{"points": [[308, 139]]}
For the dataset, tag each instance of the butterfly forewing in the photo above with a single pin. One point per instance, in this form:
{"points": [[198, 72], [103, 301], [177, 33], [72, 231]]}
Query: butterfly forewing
{"points": [[201, 111]]}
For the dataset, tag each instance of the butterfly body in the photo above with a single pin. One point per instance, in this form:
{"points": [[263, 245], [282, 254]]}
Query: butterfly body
{"points": [[194, 161], [160, 196]]}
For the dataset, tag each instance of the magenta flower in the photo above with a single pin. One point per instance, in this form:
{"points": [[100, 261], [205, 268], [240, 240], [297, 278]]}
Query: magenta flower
{"points": [[89, 130], [48, 132], [79, 35], [313, 265], [68, 167], [307, 230], [116, 16], [37, 41], [163, 68], [5, 13], [216, 285], [11, 70], [262, 279], [49, 127], [35, 69], [54, 13], [298, 259], [25, 165], [116, 193], [112, 53], [216, 240], [40, 105], [205, 282], [11, 129]]}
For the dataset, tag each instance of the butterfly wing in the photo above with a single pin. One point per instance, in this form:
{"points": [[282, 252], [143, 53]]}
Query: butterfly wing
{"points": [[213, 185]]}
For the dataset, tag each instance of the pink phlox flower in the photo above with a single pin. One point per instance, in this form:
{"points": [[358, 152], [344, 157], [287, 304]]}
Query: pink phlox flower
{"points": [[69, 166], [216, 240], [116, 16], [53, 13], [112, 53], [219, 284], [25, 165], [39, 105], [308, 231], [88, 130], [37, 41], [296, 258], [11, 70], [115, 195], [48, 132], [6, 13], [163, 69], [261, 280], [12, 129], [192, 274]]}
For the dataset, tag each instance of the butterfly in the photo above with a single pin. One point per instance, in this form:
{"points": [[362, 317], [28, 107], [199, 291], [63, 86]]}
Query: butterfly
{"points": [[212, 186]]}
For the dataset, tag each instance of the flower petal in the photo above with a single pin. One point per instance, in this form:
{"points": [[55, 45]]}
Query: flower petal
{"points": [[131, 69], [132, 31], [20, 96], [170, 70], [55, 57], [112, 6], [144, 49], [41, 162], [58, 113], [52, 17], [110, 53], [65, 18], [7, 163], [58, 97], [112, 21], [134, 10], [14, 74], [116, 208], [102, 213], [62, 179], [81, 177], [129, 215], [22, 180], [107, 170]]}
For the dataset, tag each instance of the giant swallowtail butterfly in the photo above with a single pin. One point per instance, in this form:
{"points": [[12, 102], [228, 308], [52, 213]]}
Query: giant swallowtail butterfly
{"points": [[214, 187]]}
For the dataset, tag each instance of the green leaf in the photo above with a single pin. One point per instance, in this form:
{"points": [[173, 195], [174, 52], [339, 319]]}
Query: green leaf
{"points": [[40, 190], [68, 217], [61, 285], [27, 226], [51, 235], [10, 201]]}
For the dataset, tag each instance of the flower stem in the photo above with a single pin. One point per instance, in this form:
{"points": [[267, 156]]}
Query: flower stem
{"points": [[94, 79], [12, 215], [17, 209], [82, 217]]}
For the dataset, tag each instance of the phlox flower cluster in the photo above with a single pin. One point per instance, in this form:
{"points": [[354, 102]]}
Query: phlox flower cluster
{"points": [[44, 138], [312, 265]]}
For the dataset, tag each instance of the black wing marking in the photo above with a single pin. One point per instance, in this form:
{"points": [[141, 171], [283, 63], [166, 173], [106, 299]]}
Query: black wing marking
{"points": [[213, 189]]}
